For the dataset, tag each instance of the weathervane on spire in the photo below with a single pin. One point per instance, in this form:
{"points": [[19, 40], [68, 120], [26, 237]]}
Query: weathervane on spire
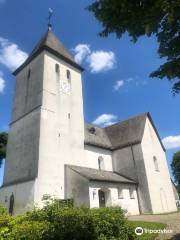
{"points": [[49, 18]]}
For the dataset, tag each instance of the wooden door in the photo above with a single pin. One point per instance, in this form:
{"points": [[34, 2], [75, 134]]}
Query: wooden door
{"points": [[102, 200]]}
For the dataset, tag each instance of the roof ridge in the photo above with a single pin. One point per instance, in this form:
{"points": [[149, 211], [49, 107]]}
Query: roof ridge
{"points": [[130, 118]]}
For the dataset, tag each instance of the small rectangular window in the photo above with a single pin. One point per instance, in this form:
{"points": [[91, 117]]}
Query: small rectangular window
{"points": [[131, 193], [120, 193], [69, 115], [57, 68], [94, 194], [68, 74], [29, 73], [156, 164]]}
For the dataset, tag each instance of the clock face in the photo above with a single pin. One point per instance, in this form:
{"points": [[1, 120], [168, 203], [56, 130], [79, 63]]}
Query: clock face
{"points": [[64, 87]]}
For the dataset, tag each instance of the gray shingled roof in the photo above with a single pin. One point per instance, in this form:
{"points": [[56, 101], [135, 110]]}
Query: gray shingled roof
{"points": [[98, 138], [51, 41], [119, 135], [127, 132], [52, 44], [100, 175]]}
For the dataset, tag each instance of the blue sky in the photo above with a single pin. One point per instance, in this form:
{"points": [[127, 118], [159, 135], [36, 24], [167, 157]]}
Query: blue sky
{"points": [[115, 84]]}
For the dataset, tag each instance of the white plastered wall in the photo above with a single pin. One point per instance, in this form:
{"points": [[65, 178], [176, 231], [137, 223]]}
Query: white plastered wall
{"points": [[91, 158], [61, 137], [111, 196], [160, 187], [23, 196]]}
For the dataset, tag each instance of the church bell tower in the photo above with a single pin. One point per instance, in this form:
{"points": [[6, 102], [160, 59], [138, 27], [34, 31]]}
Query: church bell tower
{"points": [[47, 127]]}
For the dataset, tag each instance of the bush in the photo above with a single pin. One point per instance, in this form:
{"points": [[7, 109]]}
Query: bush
{"points": [[30, 230], [111, 222], [3, 210], [61, 222]]}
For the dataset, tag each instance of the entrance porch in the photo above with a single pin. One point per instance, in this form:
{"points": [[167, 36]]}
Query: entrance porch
{"points": [[97, 188]]}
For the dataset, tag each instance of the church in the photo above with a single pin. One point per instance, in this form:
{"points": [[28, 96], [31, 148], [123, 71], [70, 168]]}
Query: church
{"points": [[51, 150]]}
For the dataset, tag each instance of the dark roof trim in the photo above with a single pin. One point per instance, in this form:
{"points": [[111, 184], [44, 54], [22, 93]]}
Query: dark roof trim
{"points": [[173, 183], [151, 121], [111, 181], [24, 115], [120, 174], [127, 145], [58, 55], [104, 180], [112, 148], [98, 145]]}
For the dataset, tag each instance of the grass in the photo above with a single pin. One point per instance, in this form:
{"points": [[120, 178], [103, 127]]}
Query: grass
{"points": [[148, 225]]}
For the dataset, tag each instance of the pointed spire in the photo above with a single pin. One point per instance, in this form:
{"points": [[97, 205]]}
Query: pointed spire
{"points": [[50, 43]]}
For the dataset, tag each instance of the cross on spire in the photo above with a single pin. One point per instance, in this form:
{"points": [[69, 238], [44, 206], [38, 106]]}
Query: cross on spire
{"points": [[49, 19]]}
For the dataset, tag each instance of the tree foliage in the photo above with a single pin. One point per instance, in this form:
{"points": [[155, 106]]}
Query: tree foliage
{"points": [[175, 165], [3, 144], [146, 17], [61, 221]]}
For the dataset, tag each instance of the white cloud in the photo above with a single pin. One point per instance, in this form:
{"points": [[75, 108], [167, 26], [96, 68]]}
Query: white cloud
{"points": [[105, 120], [101, 61], [2, 83], [81, 52], [129, 82], [118, 85], [98, 61], [10, 54], [171, 142]]}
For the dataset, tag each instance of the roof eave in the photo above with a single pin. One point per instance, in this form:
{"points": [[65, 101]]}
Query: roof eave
{"points": [[156, 131], [58, 55], [98, 145], [111, 181], [112, 148]]}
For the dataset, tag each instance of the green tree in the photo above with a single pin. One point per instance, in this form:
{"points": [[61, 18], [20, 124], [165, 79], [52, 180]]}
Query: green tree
{"points": [[175, 165], [146, 17], [3, 144]]}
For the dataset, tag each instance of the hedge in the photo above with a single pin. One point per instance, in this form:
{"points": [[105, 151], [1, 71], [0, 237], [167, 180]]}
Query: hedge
{"points": [[64, 222]]}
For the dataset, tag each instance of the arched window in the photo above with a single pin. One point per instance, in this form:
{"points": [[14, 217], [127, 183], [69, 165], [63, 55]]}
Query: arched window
{"points": [[100, 162], [68, 76], [11, 204], [156, 164]]}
